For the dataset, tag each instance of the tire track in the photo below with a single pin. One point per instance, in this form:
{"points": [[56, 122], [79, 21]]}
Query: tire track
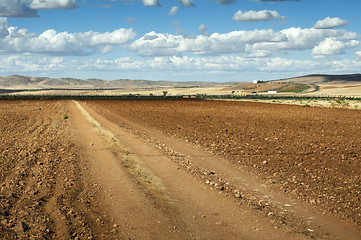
{"points": [[147, 179], [200, 212], [224, 177]]}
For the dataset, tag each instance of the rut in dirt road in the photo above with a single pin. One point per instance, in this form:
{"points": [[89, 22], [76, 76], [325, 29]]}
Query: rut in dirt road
{"points": [[311, 154], [108, 172], [197, 195], [150, 195]]}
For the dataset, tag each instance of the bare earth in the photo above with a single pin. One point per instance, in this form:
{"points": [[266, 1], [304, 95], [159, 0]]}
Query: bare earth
{"points": [[178, 170]]}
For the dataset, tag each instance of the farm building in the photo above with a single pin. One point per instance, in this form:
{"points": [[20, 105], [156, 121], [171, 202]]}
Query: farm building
{"points": [[239, 93]]}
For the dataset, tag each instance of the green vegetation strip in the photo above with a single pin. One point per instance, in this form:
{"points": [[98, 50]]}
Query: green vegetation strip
{"points": [[295, 88]]}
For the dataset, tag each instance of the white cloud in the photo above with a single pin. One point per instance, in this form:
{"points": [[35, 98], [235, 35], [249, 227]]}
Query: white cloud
{"points": [[53, 4], [50, 42], [254, 43], [4, 25], [330, 23], [173, 10], [332, 46], [228, 67], [187, 3], [28, 8], [153, 3], [256, 16], [28, 64], [162, 44], [301, 39], [16, 8], [203, 29], [358, 54]]}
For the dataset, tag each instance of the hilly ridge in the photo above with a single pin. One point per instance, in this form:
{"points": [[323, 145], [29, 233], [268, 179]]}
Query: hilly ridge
{"points": [[24, 82], [323, 79], [320, 84]]}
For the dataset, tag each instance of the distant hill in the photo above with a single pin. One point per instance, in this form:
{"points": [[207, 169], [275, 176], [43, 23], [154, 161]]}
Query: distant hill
{"points": [[302, 84], [24, 82], [257, 87], [323, 79]]}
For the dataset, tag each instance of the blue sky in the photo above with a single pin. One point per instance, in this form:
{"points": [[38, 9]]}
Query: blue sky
{"points": [[180, 40]]}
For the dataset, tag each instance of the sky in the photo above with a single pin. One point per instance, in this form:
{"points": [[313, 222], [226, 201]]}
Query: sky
{"points": [[179, 40]]}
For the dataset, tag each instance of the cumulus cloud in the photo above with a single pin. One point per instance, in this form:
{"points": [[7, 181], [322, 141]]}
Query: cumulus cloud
{"points": [[53, 4], [28, 8], [256, 16], [330, 23], [333, 46], [303, 39], [162, 44], [26, 64], [233, 66], [16, 8], [50, 42], [187, 3], [255, 43], [173, 10], [152, 3]]}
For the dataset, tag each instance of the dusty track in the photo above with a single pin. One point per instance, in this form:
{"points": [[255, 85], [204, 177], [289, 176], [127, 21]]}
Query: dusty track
{"points": [[104, 174], [168, 203], [302, 151], [290, 162]]}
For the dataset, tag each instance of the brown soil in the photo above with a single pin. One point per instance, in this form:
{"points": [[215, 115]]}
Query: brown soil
{"points": [[311, 153], [178, 170], [42, 192]]}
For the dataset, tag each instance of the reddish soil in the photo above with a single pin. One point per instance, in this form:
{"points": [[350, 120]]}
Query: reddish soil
{"points": [[42, 192], [178, 170], [310, 153]]}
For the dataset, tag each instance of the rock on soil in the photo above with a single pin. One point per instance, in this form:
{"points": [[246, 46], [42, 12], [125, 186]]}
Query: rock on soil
{"points": [[41, 194], [313, 154]]}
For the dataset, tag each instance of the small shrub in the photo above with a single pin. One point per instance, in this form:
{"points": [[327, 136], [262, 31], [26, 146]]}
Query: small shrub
{"points": [[306, 105], [345, 105], [339, 101], [66, 116]]}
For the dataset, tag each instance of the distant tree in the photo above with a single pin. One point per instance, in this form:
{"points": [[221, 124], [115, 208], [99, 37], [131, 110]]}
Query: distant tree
{"points": [[165, 93]]}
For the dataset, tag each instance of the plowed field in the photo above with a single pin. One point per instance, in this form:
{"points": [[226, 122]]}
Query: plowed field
{"points": [[42, 193], [178, 170], [311, 153]]}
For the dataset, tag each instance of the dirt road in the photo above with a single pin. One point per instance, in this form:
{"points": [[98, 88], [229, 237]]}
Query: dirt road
{"points": [[100, 174]]}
